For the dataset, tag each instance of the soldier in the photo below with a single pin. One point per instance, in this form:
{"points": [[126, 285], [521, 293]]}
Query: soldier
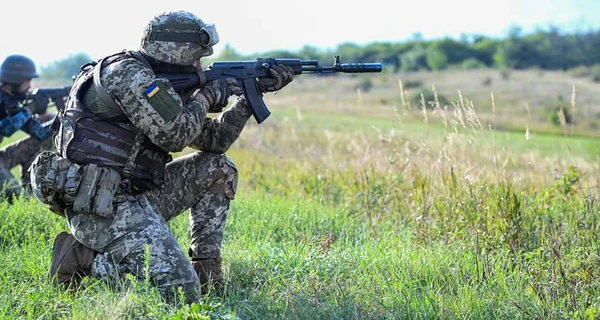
{"points": [[16, 73], [114, 178]]}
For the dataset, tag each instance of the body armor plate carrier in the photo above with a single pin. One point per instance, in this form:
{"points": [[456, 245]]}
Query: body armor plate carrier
{"points": [[85, 138]]}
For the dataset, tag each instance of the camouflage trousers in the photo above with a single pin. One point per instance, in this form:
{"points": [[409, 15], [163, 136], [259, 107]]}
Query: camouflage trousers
{"points": [[22, 153], [138, 239]]}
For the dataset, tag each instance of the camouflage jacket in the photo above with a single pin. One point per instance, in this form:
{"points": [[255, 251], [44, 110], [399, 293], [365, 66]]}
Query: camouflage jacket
{"points": [[13, 118], [158, 111]]}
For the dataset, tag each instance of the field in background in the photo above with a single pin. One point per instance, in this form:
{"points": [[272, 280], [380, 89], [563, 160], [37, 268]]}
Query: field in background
{"points": [[357, 203]]}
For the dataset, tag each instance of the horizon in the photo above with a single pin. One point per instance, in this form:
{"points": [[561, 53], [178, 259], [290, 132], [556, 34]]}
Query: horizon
{"points": [[284, 29]]}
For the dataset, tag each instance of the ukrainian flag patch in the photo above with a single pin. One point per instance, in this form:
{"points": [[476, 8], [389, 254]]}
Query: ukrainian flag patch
{"points": [[159, 97], [152, 90]]}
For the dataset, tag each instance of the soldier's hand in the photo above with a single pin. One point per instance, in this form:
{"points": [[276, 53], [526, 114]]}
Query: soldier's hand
{"points": [[280, 77], [14, 108], [26, 110], [217, 93], [33, 107], [46, 116]]}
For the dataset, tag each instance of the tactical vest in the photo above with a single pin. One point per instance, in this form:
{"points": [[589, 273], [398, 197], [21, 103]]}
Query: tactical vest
{"points": [[85, 138]]}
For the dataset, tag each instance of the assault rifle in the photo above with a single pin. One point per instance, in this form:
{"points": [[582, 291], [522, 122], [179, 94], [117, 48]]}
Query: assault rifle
{"points": [[247, 72], [38, 99]]}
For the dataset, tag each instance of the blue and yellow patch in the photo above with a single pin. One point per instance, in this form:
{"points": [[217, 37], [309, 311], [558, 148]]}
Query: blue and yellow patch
{"points": [[152, 90], [158, 95]]}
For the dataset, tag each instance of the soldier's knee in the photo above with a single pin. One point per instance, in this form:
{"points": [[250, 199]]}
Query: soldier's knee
{"points": [[226, 178]]}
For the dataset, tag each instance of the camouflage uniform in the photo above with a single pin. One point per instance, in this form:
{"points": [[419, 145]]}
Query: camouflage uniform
{"points": [[121, 118], [204, 181], [24, 151]]}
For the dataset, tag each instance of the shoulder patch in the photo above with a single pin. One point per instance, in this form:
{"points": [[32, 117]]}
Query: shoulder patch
{"points": [[158, 96], [152, 90]]}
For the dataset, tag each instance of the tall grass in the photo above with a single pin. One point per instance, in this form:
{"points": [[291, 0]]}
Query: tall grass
{"points": [[343, 214]]}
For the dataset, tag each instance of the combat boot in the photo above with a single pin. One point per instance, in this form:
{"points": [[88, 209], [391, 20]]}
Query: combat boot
{"points": [[210, 274], [71, 260]]}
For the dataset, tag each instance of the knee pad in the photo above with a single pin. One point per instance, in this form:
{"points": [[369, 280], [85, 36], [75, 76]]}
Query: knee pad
{"points": [[226, 178]]}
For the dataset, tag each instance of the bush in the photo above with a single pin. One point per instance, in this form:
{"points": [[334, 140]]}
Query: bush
{"points": [[555, 113], [592, 72], [364, 85], [429, 98], [487, 81], [505, 73], [472, 63], [409, 84]]}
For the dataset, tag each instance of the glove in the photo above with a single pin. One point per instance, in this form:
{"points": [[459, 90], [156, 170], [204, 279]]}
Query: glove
{"points": [[280, 77], [217, 93], [33, 106], [47, 116], [13, 108]]}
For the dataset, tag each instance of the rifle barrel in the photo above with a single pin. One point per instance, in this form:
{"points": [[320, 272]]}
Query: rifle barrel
{"points": [[346, 68]]}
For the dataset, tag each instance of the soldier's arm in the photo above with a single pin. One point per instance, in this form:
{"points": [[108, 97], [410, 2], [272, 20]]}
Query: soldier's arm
{"points": [[219, 133], [35, 128], [11, 124], [153, 106]]}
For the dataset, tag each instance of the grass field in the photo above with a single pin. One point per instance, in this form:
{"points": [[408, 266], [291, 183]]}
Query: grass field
{"points": [[356, 204]]}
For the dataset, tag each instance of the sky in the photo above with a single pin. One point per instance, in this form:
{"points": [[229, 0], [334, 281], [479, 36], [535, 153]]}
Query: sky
{"points": [[47, 30]]}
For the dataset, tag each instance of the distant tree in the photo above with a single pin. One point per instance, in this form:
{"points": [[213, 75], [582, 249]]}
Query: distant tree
{"points": [[349, 51], [472, 63], [514, 32], [64, 70], [499, 58], [415, 59], [280, 54], [395, 58], [485, 48], [543, 49], [309, 53], [228, 54], [455, 51], [436, 58]]}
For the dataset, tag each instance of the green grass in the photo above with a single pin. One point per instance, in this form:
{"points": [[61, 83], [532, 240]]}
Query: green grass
{"points": [[299, 258], [350, 210]]}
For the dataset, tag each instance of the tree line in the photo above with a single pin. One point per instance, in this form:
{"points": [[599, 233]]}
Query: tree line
{"points": [[548, 49], [544, 49]]}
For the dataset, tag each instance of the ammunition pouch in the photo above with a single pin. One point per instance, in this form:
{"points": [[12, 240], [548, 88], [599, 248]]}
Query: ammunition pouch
{"points": [[58, 182]]}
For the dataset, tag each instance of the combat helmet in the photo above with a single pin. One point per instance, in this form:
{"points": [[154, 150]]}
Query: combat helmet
{"points": [[16, 69], [178, 37]]}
